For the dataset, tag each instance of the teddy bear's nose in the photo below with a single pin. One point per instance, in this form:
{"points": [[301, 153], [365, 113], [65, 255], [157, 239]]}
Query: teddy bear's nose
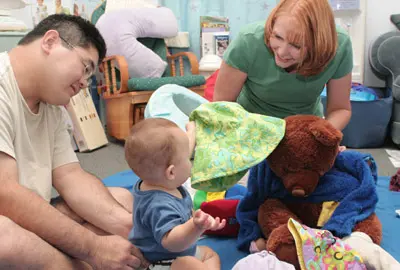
{"points": [[298, 192]]}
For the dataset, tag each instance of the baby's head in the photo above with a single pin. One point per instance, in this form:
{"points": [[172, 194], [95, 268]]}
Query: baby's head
{"points": [[157, 151]]}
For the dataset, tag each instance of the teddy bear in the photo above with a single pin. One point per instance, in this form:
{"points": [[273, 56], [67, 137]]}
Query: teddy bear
{"points": [[308, 180]]}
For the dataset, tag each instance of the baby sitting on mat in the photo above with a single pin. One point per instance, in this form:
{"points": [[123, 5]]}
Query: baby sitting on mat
{"points": [[164, 226]]}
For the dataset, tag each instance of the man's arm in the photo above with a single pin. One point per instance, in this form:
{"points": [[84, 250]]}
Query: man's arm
{"points": [[33, 213], [90, 199]]}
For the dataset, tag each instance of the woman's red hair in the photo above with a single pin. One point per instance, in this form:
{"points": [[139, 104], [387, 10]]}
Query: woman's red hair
{"points": [[317, 34]]}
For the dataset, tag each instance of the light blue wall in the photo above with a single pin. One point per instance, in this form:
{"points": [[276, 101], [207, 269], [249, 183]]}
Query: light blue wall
{"points": [[239, 12]]}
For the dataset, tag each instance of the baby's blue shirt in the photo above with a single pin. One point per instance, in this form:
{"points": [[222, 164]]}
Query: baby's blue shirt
{"points": [[155, 213]]}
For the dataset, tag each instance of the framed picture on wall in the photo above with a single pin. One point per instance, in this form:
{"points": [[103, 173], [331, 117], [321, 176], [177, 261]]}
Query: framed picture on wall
{"points": [[209, 26], [221, 40], [43, 8]]}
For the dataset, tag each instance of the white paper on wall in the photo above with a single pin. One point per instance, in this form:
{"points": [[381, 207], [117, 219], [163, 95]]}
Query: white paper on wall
{"points": [[345, 4]]}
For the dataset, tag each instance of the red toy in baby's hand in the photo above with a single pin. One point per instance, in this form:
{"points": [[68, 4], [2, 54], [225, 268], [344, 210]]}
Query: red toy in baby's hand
{"points": [[224, 209]]}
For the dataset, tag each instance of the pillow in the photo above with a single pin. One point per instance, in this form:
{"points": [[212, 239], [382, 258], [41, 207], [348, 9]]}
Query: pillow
{"points": [[126, 4], [121, 28], [229, 141], [12, 4]]}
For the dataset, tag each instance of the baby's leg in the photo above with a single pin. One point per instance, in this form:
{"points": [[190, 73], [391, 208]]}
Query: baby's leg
{"points": [[205, 258], [188, 263], [209, 257]]}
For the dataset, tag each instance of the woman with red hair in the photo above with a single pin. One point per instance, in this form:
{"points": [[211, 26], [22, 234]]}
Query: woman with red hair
{"points": [[280, 67]]}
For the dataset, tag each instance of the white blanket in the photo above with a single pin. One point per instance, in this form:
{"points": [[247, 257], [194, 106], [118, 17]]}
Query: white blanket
{"points": [[121, 28]]}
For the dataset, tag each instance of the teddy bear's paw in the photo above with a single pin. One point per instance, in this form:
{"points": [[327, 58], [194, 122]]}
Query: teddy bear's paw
{"points": [[281, 243], [372, 227]]}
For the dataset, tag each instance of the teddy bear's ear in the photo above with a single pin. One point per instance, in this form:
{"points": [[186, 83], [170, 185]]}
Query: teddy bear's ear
{"points": [[325, 133]]}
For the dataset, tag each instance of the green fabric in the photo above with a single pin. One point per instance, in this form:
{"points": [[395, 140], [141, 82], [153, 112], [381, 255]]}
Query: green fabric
{"points": [[230, 140], [269, 89], [144, 84], [199, 197]]}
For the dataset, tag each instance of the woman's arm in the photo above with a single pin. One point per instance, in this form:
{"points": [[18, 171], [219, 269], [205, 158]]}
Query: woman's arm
{"points": [[229, 83], [338, 103]]}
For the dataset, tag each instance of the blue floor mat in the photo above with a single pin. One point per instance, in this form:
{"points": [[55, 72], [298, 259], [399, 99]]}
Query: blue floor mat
{"points": [[388, 202], [226, 247]]}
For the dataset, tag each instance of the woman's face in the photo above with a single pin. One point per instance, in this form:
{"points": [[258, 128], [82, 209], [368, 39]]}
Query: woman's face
{"points": [[287, 52]]}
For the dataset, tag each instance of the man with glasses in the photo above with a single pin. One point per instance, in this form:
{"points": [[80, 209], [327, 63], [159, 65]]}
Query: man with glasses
{"points": [[89, 224]]}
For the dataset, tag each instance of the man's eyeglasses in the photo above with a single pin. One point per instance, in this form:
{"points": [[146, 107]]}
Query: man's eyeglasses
{"points": [[88, 69]]}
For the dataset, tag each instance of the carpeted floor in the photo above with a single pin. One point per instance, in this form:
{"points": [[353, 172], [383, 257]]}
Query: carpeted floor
{"points": [[110, 159]]}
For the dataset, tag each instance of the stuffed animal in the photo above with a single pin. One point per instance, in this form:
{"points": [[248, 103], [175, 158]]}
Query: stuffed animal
{"points": [[306, 179]]}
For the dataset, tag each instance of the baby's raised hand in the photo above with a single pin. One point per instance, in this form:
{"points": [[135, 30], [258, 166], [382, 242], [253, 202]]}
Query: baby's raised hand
{"points": [[190, 127], [191, 132], [204, 221]]}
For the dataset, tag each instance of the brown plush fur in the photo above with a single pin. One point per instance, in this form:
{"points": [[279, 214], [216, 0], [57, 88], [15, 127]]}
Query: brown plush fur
{"points": [[307, 151]]}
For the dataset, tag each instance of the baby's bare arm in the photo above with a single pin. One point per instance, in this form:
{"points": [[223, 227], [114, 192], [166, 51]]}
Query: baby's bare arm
{"points": [[191, 132], [183, 236]]}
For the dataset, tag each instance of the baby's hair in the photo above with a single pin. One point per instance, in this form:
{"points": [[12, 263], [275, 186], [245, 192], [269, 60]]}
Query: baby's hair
{"points": [[151, 147]]}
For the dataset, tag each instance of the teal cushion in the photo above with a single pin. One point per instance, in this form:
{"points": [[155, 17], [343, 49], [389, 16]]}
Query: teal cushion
{"points": [[144, 84], [98, 12]]}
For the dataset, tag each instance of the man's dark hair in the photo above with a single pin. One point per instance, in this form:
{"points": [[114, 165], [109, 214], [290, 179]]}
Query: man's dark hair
{"points": [[74, 29]]}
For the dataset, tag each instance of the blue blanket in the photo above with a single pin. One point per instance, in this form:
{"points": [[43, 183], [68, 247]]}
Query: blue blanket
{"points": [[226, 247], [351, 181]]}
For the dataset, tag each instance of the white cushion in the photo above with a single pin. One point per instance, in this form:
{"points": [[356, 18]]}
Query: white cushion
{"points": [[121, 28], [124, 4]]}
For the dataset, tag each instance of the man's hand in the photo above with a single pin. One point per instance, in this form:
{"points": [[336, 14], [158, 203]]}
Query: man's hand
{"points": [[114, 252], [204, 221]]}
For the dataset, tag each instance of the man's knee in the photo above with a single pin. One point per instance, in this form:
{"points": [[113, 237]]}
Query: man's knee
{"points": [[9, 232], [123, 196]]}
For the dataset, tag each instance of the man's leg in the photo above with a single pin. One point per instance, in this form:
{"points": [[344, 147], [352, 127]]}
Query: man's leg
{"points": [[121, 195], [21, 249]]}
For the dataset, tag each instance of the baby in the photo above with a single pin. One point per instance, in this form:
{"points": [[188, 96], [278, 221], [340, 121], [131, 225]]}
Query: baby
{"points": [[164, 226]]}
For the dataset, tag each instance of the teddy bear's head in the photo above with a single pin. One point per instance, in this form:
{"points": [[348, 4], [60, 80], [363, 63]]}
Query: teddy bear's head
{"points": [[307, 151]]}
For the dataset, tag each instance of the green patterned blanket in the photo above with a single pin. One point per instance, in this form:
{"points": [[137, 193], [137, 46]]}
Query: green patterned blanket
{"points": [[229, 141]]}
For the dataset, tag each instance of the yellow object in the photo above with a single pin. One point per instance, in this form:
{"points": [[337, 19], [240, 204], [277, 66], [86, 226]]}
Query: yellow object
{"points": [[327, 210], [212, 196]]}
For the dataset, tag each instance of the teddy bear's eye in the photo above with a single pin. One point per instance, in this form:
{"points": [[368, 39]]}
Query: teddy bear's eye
{"points": [[307, 167]]}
